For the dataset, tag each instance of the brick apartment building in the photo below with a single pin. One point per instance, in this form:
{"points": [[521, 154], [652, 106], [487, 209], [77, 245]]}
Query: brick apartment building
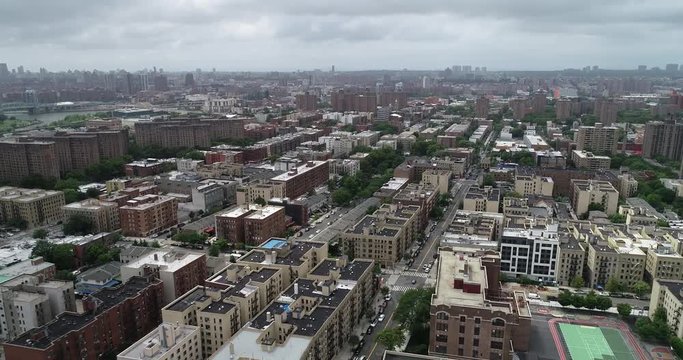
{"points": [[113, 317], [470, 316], [305, 178], [306, 102], [250, 224], [148, 214], [188, 133], [20, 159]]}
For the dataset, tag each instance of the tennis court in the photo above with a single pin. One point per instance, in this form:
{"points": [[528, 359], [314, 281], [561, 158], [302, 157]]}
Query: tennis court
{"points": [[594, 343]]}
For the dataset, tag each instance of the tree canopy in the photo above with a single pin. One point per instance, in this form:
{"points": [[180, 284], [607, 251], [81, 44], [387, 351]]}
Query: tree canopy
{"points": [[391, 338]]}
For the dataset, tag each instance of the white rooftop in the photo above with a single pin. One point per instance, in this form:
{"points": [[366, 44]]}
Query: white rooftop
{"points": [[169, 261], [245, 345]]}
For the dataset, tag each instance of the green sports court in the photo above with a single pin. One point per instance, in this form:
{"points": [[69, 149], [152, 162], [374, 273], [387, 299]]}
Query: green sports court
{"points": [[594, 343]]}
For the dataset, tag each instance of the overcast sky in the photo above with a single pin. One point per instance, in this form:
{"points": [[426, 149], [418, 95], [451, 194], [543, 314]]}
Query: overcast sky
{"points": [[351, 34]]}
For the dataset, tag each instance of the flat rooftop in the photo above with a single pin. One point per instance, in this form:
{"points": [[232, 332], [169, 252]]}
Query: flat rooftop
{"points": [[198, 294], [245, 344], [167, 260], [156, 338], [67, 322], [299, 171], [463, 267], [264, 212]]}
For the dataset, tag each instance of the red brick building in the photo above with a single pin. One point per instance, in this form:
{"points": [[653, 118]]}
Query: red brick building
{"points": [[251, 224], [148, 214], [305, 178], [114, 317]]}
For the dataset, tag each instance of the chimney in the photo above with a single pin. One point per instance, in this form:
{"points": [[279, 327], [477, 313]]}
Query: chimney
{"points": [[268, 316], [296, 288]]}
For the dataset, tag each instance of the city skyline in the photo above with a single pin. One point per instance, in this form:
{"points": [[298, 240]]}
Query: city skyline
{"points": [[305, 35]]}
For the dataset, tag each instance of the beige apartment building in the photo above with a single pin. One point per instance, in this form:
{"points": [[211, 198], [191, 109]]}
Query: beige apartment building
{"points": [[440, 179], [586, 192], [295, 258], [599, 139], [103, 215], [571, 258], [247, 194], [311, 319], [587, 160], [482, 199], [669, 295], [169, 341], [532, 184], [149, 214], [614, 256], [228, 301], [664, 263], [470, 315], [35, 206], [383, 236]]}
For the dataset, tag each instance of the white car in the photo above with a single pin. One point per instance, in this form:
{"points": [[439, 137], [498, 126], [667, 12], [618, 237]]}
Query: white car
{"points": [[381, 318]]}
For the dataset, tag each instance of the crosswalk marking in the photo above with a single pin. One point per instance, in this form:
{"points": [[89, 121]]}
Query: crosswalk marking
{"points": [[415, 274], [400, 288]]}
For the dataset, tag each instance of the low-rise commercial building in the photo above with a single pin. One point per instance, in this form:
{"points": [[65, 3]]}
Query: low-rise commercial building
{"points": [[470, 315]]}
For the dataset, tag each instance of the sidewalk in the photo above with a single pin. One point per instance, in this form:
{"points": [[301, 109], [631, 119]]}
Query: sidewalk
{"points": [[346, 352]]}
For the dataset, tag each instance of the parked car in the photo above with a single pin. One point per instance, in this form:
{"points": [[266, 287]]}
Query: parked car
{"points": [[387, 297], [369, 331], [413, 282], [381, 317]]}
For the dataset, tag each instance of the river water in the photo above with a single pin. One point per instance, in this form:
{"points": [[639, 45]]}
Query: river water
{"points": [[45, 118]]}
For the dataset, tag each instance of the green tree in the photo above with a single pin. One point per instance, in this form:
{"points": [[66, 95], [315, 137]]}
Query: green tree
{"points": [[341, 197], [190, 237], [596, 207], [590, 301], [62, 255], [617, 218], [391, 338], [578, 301], [98, 254], [677, 346], [640, 288], [412, 311], [260, 201], [385, 290], [613, 285], [603, 303], [93, 193], [214, 250], [354, 340], [577, 282], [624, 309], [565, 298], [489, 180], [78, 225], [436, 213], [371, 209], [155, 244], [40, 233]]}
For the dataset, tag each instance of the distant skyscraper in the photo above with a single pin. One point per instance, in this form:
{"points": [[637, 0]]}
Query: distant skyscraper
{"points": [[4, 71], [596, 68], [671, 67], [467, 68], [457, 68], [20, 69], [642, 67], [30, 97], [189, 80], [663, 139], [332, 68], [483, 69], [160, 83], [481, 107]]}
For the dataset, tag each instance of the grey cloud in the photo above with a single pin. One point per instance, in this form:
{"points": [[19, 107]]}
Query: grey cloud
{"points": [[308, 33]]}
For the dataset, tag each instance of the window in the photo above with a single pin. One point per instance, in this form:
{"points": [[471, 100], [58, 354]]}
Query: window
{"points": [[498, 322], [462, 329], [442, 315], [477, 320], [461, 340], [442, 338], [441, 326], [497, 345], [475, 342], [477, 330]]}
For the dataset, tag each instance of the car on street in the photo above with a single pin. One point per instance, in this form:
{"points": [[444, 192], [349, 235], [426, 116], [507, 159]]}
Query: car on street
{"points": [[387, 297], [381, 317], [369, 331], [413, 282], [427, 271]]}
